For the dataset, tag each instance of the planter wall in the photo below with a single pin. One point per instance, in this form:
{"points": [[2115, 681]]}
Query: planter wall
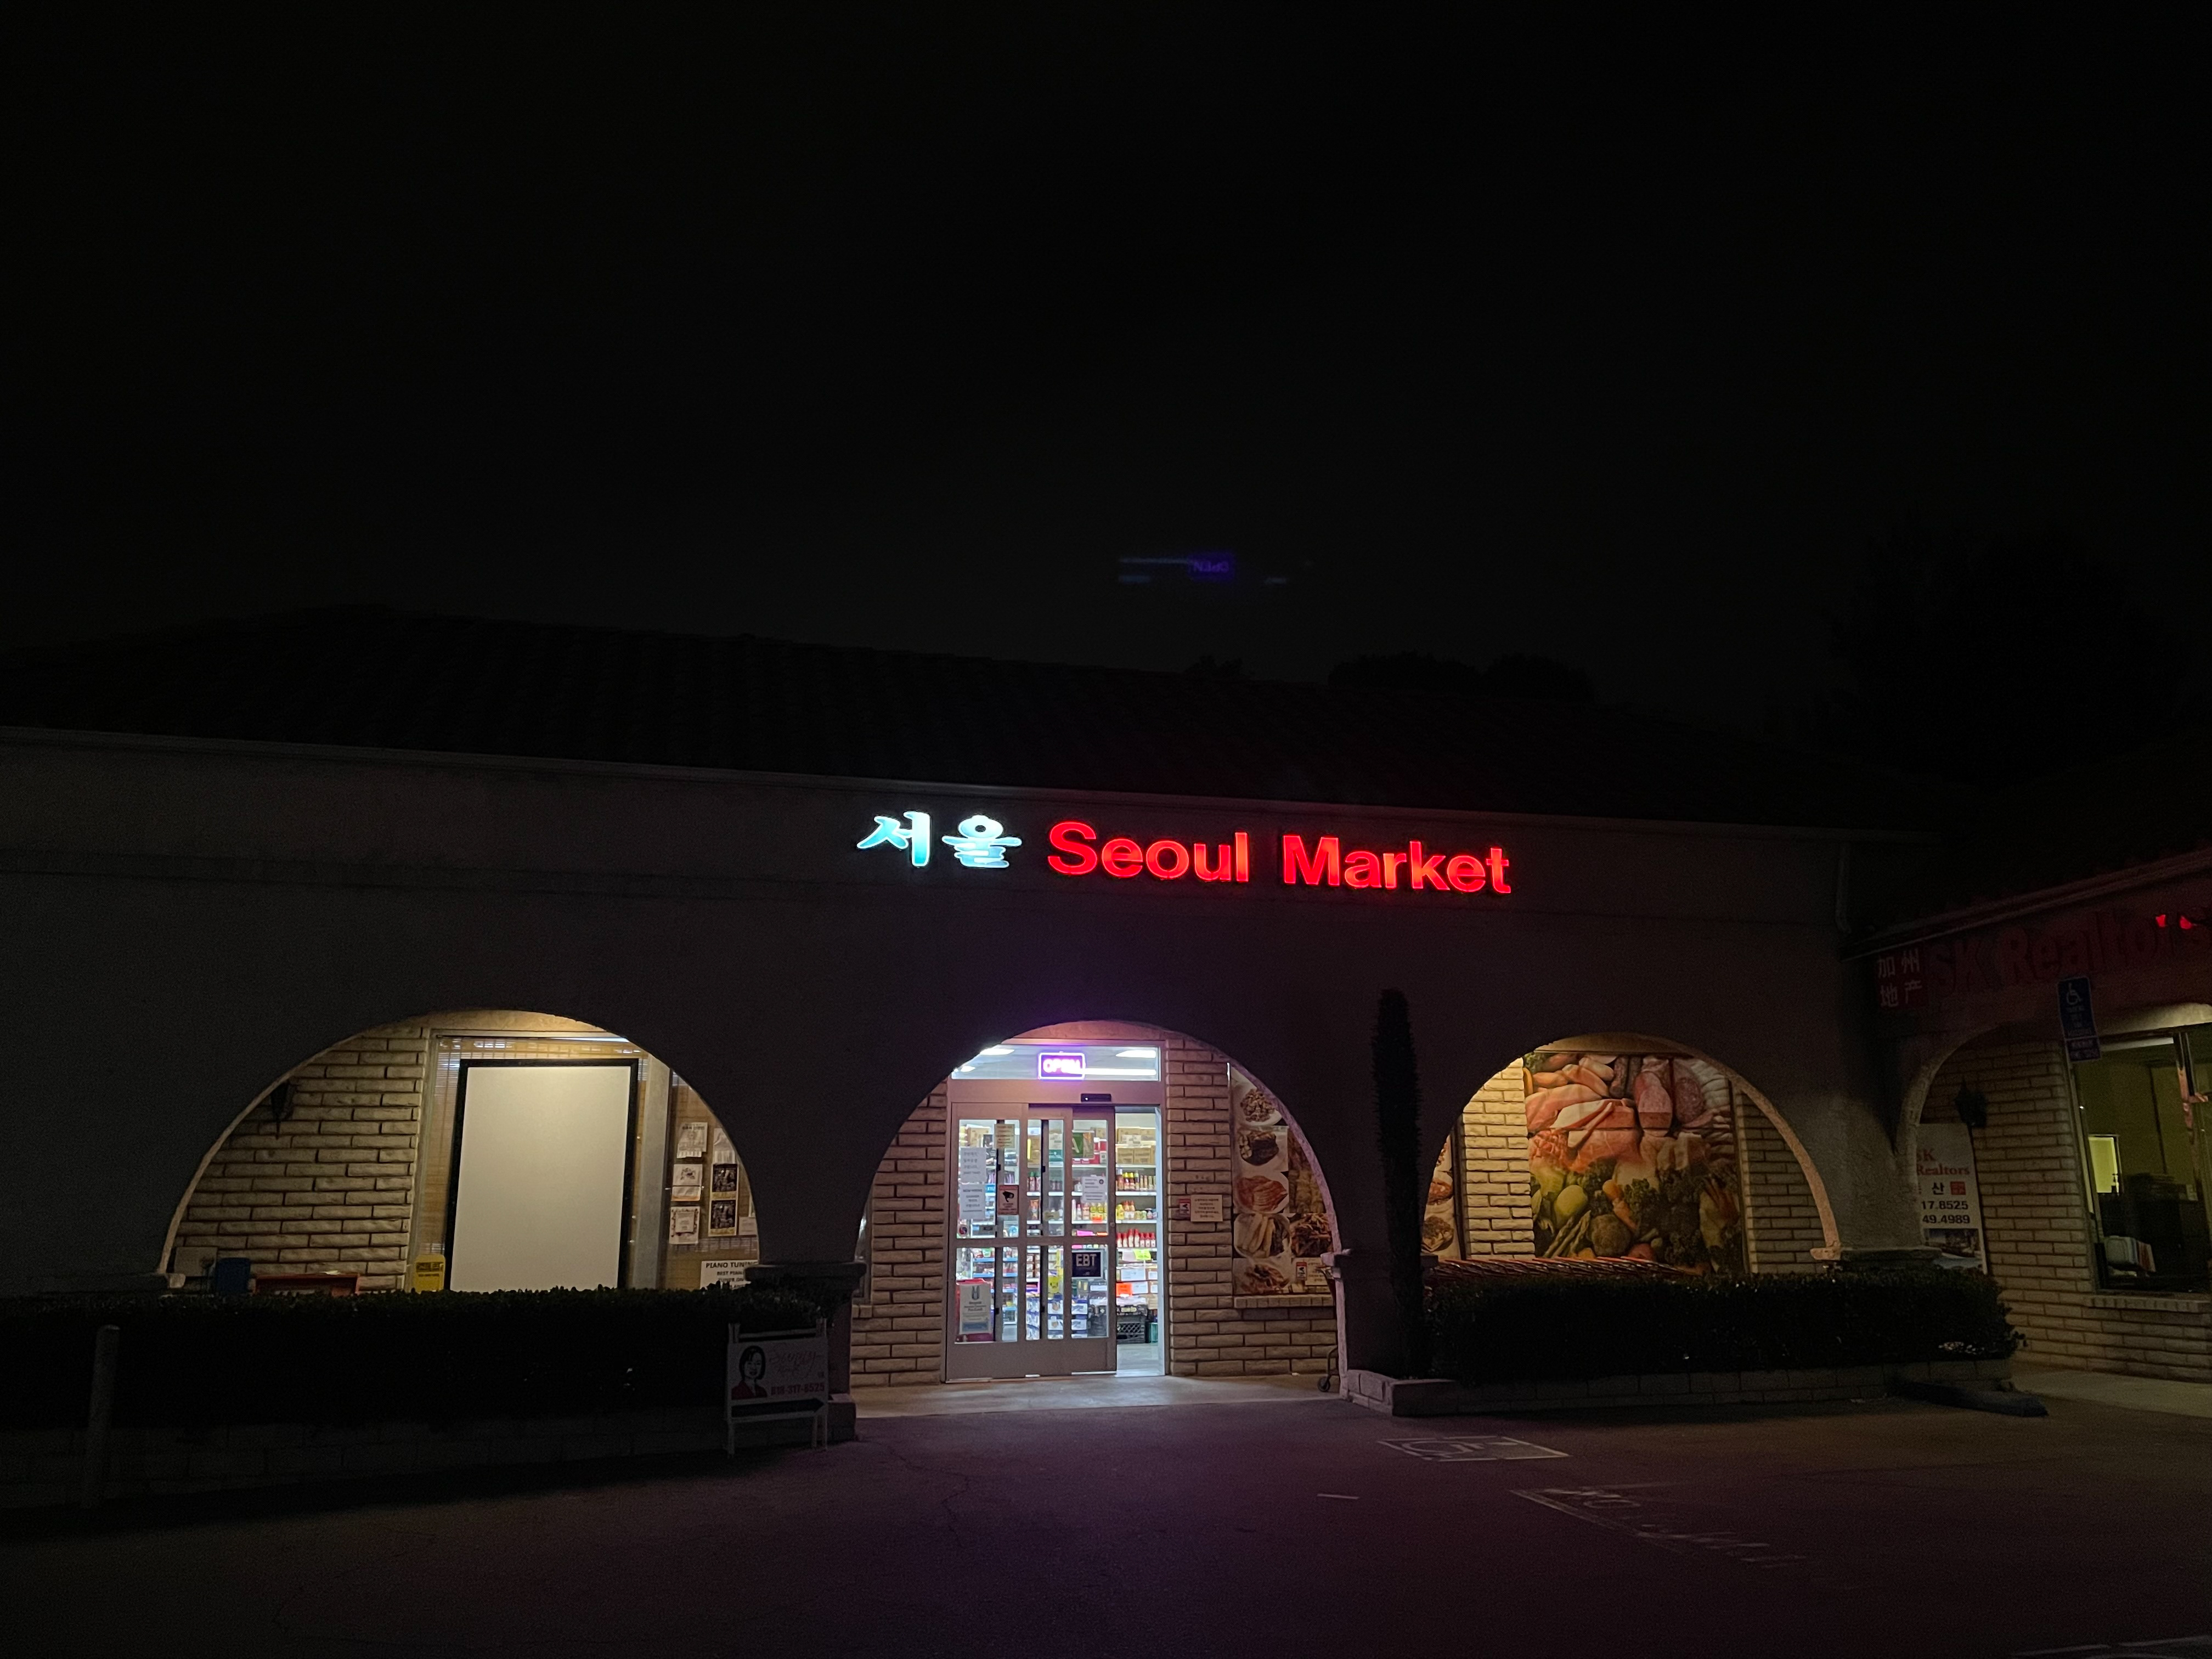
{"points": [[45, 1468], [1437, 1396]]}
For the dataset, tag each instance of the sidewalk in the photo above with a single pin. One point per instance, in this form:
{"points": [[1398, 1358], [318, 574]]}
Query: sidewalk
{"points": [[2141, 1394], [1062, 1394]]}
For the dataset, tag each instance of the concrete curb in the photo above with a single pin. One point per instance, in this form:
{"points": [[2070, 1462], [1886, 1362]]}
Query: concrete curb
{"points": [[1437, 1396], [2005, 1402]]}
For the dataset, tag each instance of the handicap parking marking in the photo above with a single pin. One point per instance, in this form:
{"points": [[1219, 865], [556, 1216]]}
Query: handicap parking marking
{"points": [[1475, 1449]]}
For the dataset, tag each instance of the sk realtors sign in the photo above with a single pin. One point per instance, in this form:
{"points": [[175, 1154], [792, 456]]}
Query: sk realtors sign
{"points": [[1079, 851]]}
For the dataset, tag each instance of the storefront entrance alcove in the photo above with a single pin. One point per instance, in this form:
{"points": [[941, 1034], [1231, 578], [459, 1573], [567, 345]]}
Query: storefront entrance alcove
{"points": [[1056, 1242], [480, 1150], [1095, 1198]]}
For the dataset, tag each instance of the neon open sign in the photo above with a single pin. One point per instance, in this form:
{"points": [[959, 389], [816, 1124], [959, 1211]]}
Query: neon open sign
{"points": [[1050, 1064]]}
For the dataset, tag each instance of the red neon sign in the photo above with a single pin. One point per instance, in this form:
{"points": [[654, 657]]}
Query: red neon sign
{"points": [[1164, 861], [1076, 851]]}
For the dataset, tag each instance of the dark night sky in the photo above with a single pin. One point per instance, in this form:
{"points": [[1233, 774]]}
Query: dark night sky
{"points": [[898, 327]]}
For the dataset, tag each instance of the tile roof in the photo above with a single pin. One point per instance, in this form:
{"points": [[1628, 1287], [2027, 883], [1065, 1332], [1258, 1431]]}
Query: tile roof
{"points": [[371, 677]]}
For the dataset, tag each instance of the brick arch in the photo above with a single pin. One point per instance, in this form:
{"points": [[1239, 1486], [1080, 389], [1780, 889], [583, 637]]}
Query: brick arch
{"points": [[1791, 1222], [335, 1182], [2038, 1227], [898, 1323]]}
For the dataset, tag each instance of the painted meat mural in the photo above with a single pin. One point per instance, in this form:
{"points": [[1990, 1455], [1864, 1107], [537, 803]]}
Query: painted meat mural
{"points": [[1634, 1155]]}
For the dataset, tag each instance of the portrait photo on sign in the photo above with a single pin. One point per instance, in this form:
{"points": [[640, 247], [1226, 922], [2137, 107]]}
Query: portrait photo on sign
{"points": [[751, 1382]]}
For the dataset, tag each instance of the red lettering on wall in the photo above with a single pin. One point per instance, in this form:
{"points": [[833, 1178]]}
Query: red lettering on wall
{"points": [[1464, 872], [1121, 857], [1075, 858], [1307, 861], [1314, 869], [1425, 868]]}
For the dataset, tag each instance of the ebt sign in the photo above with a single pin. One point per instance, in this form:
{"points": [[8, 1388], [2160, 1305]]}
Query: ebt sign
{"points": [[1080, 852]]}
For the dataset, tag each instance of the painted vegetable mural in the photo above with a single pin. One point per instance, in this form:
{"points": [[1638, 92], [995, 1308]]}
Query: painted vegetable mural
{"points": [[1634, 1155]]}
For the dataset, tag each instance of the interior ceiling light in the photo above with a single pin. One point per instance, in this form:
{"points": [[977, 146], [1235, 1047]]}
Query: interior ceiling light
{"points": [[1136, 1054]]}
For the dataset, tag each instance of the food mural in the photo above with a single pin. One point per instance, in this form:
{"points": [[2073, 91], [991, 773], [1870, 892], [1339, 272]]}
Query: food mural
{"points": [[1280, 1231], [1634, 1155], [1440, 1214]]}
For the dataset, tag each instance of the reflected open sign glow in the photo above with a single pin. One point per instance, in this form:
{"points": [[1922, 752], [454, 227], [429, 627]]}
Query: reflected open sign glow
{"points": [[1059, 1065]]}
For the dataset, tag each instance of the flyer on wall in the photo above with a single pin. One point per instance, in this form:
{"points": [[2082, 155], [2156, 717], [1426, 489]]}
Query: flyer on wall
{"points": [[1950, 1196]]}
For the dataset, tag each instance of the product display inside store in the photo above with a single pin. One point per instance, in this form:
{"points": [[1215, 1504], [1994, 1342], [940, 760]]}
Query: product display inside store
{"points": [[1138, 1251], [1056, 1214]]}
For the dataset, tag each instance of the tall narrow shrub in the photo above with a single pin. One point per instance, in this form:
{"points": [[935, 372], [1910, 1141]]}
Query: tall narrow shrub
{"points": [[1398, 1135]]}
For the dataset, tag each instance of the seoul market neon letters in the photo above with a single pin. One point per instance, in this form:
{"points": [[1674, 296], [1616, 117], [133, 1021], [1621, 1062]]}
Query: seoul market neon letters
{"points": [[1076, 851]]}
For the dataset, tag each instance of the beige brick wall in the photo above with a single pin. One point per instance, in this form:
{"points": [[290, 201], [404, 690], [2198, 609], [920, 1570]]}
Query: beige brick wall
{"points": [[330, 1188], [1781, 1221], [898, 1330], [1494, 1159], [898, 1333], [2035, 1215]]}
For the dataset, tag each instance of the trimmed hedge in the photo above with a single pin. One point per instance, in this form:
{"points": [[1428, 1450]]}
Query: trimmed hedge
{"points": [[190, 1362], [1542, 1328]]}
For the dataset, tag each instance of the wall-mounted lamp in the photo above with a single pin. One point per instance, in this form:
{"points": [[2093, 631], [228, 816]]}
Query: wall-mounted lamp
{"points": [[1972, 1107]]}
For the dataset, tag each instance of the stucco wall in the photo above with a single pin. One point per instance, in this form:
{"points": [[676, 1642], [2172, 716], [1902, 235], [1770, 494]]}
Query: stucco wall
{"points": [[286, 901]]}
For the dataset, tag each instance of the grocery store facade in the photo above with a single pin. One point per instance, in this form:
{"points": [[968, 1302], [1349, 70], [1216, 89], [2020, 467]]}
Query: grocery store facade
{"points": [[1048, 1078]]}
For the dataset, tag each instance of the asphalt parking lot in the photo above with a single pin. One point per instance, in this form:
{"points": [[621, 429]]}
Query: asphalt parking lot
{"points": [[1283, 1523]]}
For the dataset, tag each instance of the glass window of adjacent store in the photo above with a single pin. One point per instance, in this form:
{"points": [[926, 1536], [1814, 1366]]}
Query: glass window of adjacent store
{"points": [[2144, 1155]]}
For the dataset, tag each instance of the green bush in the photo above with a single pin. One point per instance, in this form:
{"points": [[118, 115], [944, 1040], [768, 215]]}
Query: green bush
{"points": [[1542, 1328], [196, 1361]]}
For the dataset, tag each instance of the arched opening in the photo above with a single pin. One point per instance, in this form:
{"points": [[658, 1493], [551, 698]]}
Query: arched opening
{"points": [[484, 1149], [1616, 1146], [2079, 1180], [1095, 1197]]}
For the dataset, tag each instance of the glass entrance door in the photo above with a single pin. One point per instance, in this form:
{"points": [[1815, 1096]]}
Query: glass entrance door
{"points": [[1031, 1292]]}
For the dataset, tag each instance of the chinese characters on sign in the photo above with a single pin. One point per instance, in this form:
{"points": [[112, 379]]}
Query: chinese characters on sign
{"points": [[1898, 982]]}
